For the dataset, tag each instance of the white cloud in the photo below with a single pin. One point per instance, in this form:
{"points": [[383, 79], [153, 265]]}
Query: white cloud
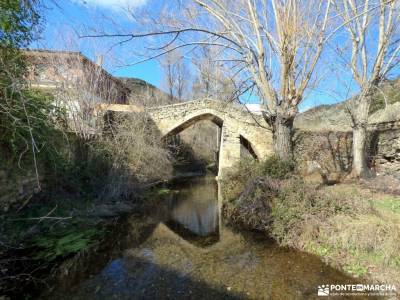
{"points": [[112, 4]]}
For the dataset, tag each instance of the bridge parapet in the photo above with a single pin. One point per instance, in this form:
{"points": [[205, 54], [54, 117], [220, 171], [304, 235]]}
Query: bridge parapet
{"points": [[221, 109]]}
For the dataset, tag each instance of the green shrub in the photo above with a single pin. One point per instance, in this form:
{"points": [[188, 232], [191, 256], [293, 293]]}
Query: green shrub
{"points": [[61, 244], [276, 168], [247, 170]]}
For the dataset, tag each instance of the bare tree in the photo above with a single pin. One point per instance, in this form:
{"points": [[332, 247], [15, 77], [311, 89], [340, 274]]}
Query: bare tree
{"points": [[176, 76], [212, 78], [273, 46], [373, 32], [279, 43]]}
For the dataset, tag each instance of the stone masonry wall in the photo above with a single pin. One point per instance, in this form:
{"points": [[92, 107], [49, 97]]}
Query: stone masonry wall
{"points": [[386, 151], [231, 110], [332, 151]]}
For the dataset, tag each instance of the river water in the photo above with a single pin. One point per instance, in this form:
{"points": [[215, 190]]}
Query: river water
{"points": [[181, 250]]}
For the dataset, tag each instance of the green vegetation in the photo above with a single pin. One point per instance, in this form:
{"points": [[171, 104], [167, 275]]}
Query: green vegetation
{"points": [[276, 168], [26, 116], [51, 231], [388, 204], [272, 167], [249, 189], [18, 20], [300, 206], [28, 128], [65, 242], [74, 176]]}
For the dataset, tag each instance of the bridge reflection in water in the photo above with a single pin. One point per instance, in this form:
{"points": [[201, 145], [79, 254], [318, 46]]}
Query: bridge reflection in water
{"points": [[164, 256], [194, 212]]}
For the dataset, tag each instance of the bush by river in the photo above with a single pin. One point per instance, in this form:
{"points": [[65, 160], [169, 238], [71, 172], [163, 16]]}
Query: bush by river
{"points": [[348, 226]]}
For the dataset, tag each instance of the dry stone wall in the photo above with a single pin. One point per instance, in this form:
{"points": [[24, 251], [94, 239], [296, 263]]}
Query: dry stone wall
{"points": [[332, 151]]}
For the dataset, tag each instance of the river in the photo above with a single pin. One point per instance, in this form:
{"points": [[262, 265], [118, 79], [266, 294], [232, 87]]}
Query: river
{"points": [[182, 250]]}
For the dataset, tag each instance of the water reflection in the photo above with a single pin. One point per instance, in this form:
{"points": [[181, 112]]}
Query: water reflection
{"points": [[194, 210], [169, 264]]}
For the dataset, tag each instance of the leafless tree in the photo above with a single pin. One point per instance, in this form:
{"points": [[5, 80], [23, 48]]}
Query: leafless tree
{"points": [[273, 46], [211, 78], [176, 76], [373, 33]]}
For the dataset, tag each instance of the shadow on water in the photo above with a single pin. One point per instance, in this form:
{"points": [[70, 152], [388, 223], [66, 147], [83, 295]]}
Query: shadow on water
{"points": [[141, 279], [182, 251]]}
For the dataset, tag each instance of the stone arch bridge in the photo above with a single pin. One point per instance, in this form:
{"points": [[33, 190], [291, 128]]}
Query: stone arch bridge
{"points": [[239, 128]]}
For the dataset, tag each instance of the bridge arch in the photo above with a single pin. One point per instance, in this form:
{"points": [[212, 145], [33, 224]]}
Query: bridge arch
{"points": [[231, 140], [191, 120]]}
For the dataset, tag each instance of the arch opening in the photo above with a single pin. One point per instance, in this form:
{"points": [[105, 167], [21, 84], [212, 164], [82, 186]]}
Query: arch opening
{"points": [[247, 148], [195, 143], [187, 123]]}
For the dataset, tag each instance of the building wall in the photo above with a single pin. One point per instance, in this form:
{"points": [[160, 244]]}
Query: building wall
{"points": [[71, 70]]}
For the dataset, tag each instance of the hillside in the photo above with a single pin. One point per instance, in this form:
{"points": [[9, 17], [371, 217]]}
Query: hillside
{"points": [[324, 117], [145, 93], [336, 116]]}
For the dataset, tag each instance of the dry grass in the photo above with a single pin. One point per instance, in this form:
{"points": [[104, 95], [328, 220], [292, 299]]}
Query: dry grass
{"points": [[362, 238], [300, 209], [350, 227], [137, 154]]}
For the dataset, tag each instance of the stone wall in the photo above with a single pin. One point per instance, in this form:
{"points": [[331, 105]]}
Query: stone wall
{"points": [[386, 151], [16, 189], [332, 151], [226, 109]]}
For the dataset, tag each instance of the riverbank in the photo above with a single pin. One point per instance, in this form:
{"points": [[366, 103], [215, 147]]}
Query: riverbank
{"points": [[42, 242], [348, 225]]}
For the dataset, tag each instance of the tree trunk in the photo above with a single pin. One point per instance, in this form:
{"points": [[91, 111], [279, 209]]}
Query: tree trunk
{"points": [[360, 122], [282, 134], [360, 166]]}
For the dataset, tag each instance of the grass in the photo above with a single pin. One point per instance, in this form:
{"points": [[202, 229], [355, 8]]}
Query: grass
{"points": [[388, 204], [65, 242], [363, 239], [349, 227], [50, 239]]}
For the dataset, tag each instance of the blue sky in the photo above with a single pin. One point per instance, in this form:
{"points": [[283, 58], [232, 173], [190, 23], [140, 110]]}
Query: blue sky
{"points": [[67, 18]]}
